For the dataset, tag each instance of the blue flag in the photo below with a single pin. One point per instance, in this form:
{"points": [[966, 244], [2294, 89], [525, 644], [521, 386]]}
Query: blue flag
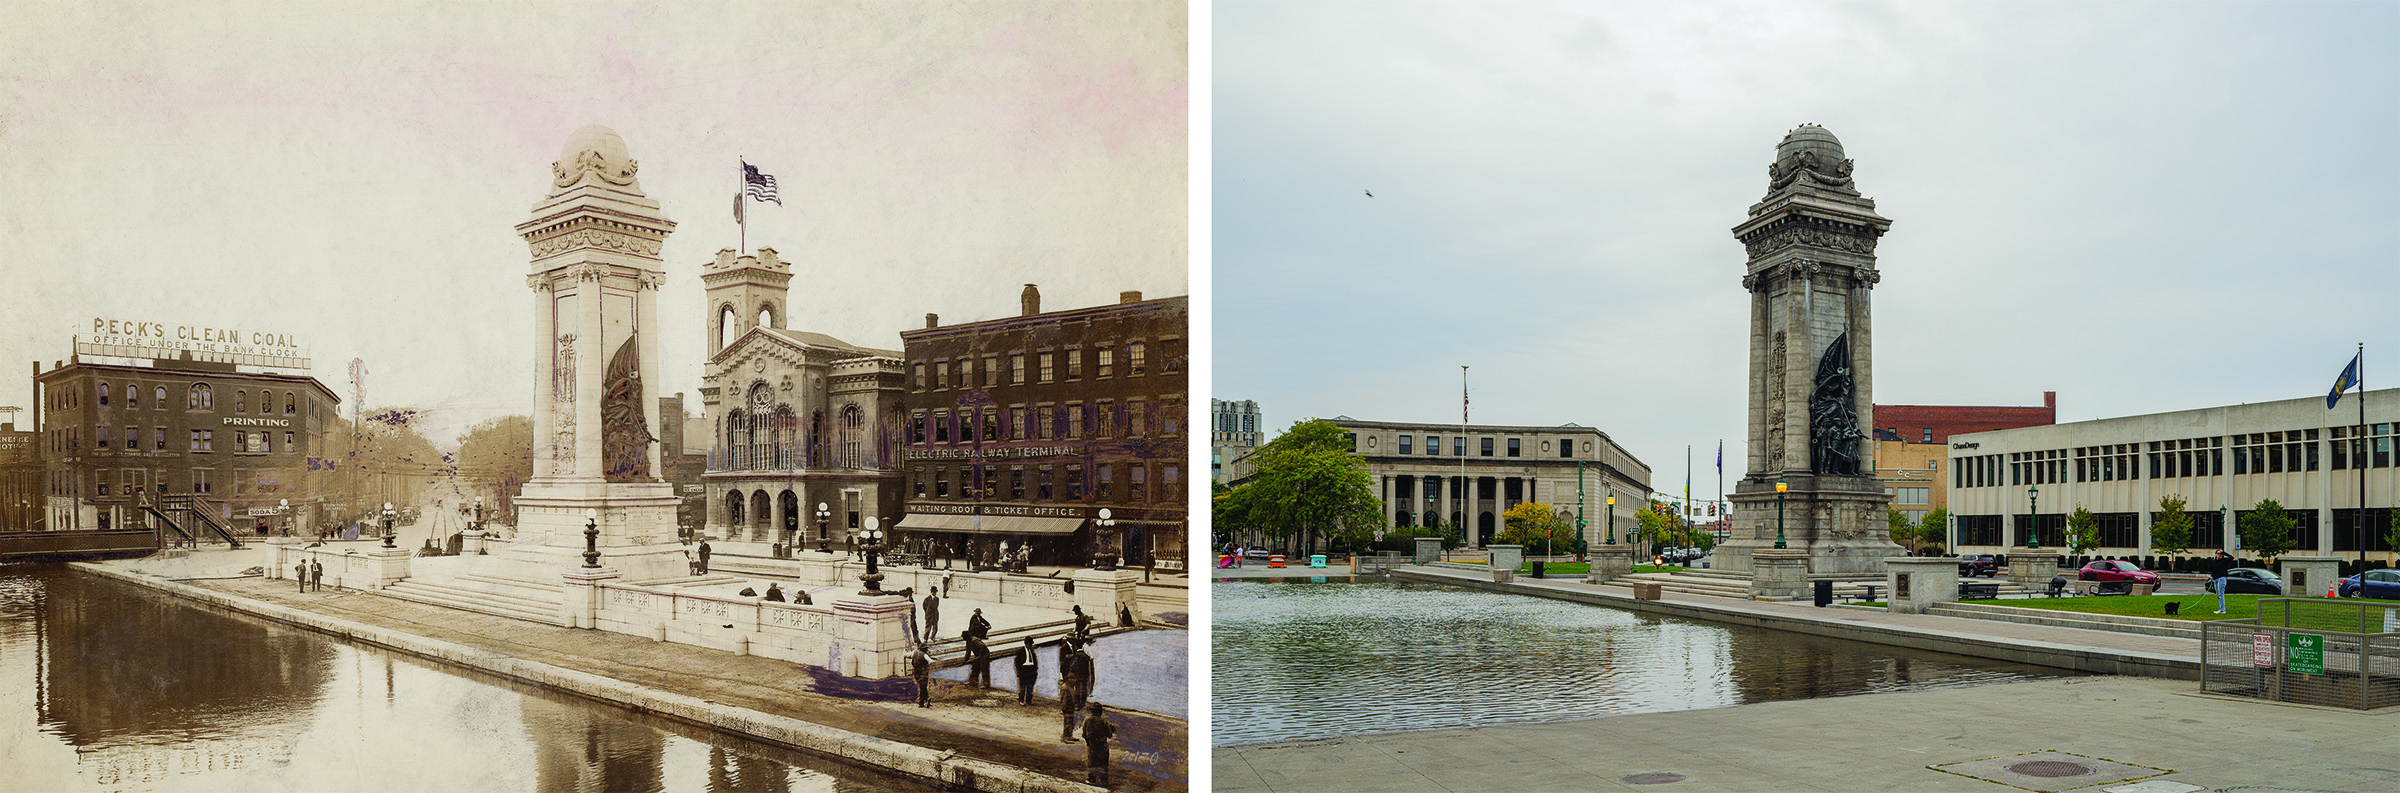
{"points": [[2343, 383]]}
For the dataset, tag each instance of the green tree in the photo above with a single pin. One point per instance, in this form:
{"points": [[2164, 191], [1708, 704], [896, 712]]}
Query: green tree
{"points": [[2083, 531], [1935, 529], [1657, 526], [2171, 533], [2391, 533], [1307, 485], [497, 455], [1903, 530], [1538, 527], [2267, 530]]}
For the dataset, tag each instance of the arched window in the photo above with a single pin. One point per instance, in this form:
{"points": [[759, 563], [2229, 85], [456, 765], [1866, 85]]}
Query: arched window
{"points": [[241, 401], [103, 392], [785, 426], [737, 456], [725, 326], [202, 397], [291, 400], [816, 439], [759, 433], [766, 315], [133, 396], [733, 509], [854, 423], [160, 398]]}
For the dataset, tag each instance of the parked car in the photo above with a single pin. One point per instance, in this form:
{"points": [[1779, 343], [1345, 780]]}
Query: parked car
{"points": [[1982, 564], [2115, 570], [2380, 584], [2252, 580]]}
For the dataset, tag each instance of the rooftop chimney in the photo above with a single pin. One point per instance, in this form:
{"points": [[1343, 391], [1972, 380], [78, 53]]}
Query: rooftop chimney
{"points": [[1131, 296], [933, 320], [2050, 400], [1032, 300]]}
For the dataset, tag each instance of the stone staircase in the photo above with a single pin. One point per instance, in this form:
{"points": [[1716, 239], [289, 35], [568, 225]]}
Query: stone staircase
{"points": [[952, 651], [484, 594], [2147, 626]]}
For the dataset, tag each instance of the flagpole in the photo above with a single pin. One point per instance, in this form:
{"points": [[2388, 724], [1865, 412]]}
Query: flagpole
{"points": [[1465, 505], [2357, 461], [741, 203]]}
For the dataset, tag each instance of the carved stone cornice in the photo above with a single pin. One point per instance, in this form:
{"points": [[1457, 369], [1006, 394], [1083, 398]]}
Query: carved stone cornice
{"points": [[588, 272], [1816, 233], [539, 282], [652, 281], [594, 238]]}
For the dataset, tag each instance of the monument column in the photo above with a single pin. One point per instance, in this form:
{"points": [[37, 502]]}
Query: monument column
{"points": [[1811, 274], [595, 242]]}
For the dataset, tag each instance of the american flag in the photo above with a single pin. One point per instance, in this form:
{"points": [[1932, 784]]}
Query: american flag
{"points": [[758, 185]]}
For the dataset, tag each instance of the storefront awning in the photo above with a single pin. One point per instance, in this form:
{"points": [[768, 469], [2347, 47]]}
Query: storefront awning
{"points": [[992, 524]]}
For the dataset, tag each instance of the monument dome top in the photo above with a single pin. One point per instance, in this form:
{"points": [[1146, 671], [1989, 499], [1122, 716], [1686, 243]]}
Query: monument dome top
{"points": [[592, 152], [1812, 154], [1809, 137]]}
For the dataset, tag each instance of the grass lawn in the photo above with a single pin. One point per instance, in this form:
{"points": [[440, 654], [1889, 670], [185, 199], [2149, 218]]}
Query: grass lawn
{"points": [[1581, 568], [2197, 607]]}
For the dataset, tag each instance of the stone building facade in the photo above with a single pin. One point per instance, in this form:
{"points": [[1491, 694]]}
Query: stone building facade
{"points": [[1236, 428], [2221, 461], [797, 419], [112, 434], [1912, 442], [1470, 475], [1025, 429]]}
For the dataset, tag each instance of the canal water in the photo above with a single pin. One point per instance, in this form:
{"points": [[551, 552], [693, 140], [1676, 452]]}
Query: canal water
{"points": [[1301, 659], [108, 686]]}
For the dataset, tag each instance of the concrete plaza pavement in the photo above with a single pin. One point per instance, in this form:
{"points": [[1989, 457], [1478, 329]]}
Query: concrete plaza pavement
{"points": [[2186, 740]]}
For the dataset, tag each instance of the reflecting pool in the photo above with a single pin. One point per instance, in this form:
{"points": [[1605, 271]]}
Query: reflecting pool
{"points": [[109, 686], [1300, 659]]}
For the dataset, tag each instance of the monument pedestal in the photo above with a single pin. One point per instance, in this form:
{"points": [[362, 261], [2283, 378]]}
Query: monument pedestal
{"points": [[389, 565], [1837, 522], [1102, 593], [1507, 557], [1429, 550], [2308, 576], [1778, 574], [2033, 568], [637, 530], [1609, 563], [1918, 582], [871, 642], [580, 607]]}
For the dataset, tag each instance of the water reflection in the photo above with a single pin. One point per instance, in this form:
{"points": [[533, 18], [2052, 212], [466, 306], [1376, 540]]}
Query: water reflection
{"points": [[1296, 660], [114, 687]]}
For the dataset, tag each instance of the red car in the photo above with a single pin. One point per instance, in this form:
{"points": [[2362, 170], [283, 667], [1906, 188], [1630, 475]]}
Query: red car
{"points": [[2112, 570]]}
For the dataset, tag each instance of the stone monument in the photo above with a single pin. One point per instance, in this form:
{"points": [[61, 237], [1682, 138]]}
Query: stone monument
{"points": [[1811, 272], [595, 278]]}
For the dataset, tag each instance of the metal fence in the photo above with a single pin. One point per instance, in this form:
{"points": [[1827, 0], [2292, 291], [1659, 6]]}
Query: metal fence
{"points": [[2339, 653], [1382, 562]]}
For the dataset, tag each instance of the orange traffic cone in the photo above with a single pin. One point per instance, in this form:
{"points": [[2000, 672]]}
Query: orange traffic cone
{"points": [[2333, 589]]}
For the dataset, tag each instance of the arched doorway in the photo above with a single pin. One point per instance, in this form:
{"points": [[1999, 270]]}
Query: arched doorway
{"points": [[1484, 530], [761, 512], [791, 517], [734, 503]]}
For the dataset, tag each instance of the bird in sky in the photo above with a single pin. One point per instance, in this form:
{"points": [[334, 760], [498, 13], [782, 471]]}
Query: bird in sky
{"points": [[1370, 193]]}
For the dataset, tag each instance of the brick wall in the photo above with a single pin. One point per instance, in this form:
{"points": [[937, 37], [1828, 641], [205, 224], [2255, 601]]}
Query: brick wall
{"points": [[1911, 421]]}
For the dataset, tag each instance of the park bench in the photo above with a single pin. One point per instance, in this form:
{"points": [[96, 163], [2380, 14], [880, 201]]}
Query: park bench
{"points": [[1968, 590]]}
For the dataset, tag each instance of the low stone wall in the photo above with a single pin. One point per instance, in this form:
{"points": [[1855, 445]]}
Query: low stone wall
{"points": [[740, 625]]}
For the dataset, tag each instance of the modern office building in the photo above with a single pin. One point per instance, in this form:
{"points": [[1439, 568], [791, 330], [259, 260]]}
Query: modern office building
{"points": [[1912, 443], [1470, 475], [1236, 428], [2222, 461], [1026, 429]]}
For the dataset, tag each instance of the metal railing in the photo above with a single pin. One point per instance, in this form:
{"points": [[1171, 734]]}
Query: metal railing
{"points": [[1380, 563], [2315, 651]]}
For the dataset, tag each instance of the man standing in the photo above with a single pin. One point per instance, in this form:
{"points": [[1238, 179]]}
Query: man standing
{"points": [[933, 612], [1074, 685], [1029, 667], [979, 660], [1096, 732], [2216, 578], [316, 575], [703, 558], [300, 574], [1083, 623], [920, 668]]}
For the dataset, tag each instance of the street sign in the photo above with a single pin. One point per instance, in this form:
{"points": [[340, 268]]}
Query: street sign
{"points": [[2262, 650], [2307, 653]]}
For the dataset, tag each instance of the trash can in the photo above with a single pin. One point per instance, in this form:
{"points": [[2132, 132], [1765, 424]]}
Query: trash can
{"points": [[1824, 592], [1537, 569], [1316, 560]]}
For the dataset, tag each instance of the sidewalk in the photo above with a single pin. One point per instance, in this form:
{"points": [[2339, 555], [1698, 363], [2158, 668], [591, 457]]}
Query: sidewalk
{"points": [[2141, 735], [983, 724]]}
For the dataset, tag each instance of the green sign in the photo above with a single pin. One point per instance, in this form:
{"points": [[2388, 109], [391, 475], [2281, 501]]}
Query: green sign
{"points": [[2305, 653]]}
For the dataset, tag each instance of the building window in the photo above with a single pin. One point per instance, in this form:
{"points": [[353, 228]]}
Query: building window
{"points": [[1105, 359], [1487, 447], [1404, 442], [941, 426], [941, 373], [159, 398], [1458, 446], [241, 441], [103, 393], [919, 369], [1104, 419], [133, 397], [1046, 359], [1133, 359], [200, 480], [1047, 488], [1016, 483], [1352, 437], [287, 443], [1928, 436], [1138, 420], [991, 370], [1137, 484], [1170, 487], [1170, 418], [991, 423], [133, 439], [916, 427], [966, 373], [1566, 449], [1074, 483], [1074, 420], [241, 401], [291, 403], [1513, 446], [1107, 486], [1074, 363], [100, 441], [941, 483], [160, 437], [202, 397], [1433, 445], [1016, 365], [1045, 418]]}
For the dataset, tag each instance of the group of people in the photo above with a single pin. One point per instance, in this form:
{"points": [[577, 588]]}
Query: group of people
{"points": [[1076, 676], [1233, 555], [310, 573]]}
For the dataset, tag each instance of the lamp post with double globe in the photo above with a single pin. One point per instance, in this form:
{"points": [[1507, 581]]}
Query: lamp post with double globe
{"points": [[2033, 518], [824, 519], [387, 525], [591, 538], [870, 540]]}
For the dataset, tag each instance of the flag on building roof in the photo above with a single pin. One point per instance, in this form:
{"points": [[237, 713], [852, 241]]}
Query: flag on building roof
{"points": [[2343, 383], [758, 185]]}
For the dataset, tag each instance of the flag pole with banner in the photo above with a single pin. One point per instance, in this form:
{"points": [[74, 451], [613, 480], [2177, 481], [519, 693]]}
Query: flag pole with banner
{"points": [[2355, 375], [754, 185]]}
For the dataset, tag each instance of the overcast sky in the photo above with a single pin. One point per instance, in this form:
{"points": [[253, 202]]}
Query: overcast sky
{"points": [[2142, 206], [352, 173]]}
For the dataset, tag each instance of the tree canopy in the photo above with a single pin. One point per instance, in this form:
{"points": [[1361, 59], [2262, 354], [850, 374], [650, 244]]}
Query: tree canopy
{"points": [[2083, 531], [2267, 530], [1308, 484], [2171, 533], [497, 455], [1538, 527]]}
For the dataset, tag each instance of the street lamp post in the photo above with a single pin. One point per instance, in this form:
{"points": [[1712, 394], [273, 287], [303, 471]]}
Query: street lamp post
{"points": [[1611, 516], [479, 547], [824, 516], [591, 538], [387, 524], [2033, 517], [870, 540], [1780, 487], [1107, 524], [286, 504]]}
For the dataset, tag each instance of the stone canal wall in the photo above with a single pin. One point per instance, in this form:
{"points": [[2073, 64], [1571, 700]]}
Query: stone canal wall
{"points": [[946, 767]]}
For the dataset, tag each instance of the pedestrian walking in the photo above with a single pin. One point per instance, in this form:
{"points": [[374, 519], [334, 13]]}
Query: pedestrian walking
{"points": [[1096, 731], [2216, 578], [920, 668], [1029, 668], [1074, 686], [933, 613], [703, 557]]}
